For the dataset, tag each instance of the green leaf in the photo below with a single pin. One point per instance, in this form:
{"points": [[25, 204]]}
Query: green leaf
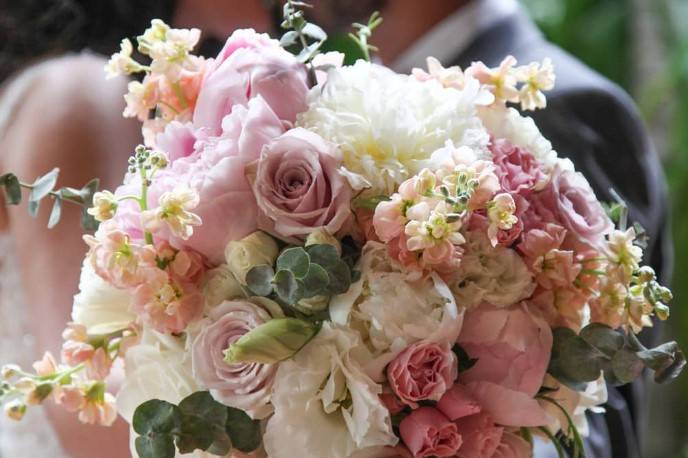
{"points": [[202, 412], [340, 278], [259, 280], [667, 360], [158, 446], [88, 222], [244, 432], [626, 366], [573, 360], [55, 213], [289, 38], [316, 281], [202, 404], [323, 255], [314, 32], [43, 185], [287, 287], [295, 260], [155, 416], [194, 434], [604, 338], [465, 361], [12, 188], [33, 206]]}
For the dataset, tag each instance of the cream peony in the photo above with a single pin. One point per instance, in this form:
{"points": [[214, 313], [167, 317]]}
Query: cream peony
{"points": [[393, 311], [387, 124], [99, 306], [495, 275], [325, 404]]}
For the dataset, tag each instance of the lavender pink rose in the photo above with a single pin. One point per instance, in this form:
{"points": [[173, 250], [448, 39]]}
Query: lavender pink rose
{"points": [[298, 187]]}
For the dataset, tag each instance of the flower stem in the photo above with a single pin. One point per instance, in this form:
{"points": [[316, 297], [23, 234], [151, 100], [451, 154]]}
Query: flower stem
{"points": [[143, 202]]}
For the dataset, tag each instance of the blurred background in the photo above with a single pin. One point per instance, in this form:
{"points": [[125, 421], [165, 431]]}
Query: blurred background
{"points": [[643, 46], [640, 44]]}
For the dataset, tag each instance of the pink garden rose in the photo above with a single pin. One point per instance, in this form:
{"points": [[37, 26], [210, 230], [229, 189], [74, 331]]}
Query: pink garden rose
{"points": [[513, 446], [177, 140], [481, 436], [251, 65], [422, 371], [518, 171], [458, 403], [298, 187], [427, 432], [569, 200], [246, 386]]}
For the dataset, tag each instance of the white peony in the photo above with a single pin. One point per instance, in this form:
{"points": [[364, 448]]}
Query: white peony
{"points": [[325, 404], [387, 124], [393, 312], [99, 306], [496, 275]]}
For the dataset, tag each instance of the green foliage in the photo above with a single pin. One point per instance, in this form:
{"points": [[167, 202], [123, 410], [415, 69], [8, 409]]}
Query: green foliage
{"points": [[363, 32], [579, 358], [301, 35], [197, 423], [464, 360]]}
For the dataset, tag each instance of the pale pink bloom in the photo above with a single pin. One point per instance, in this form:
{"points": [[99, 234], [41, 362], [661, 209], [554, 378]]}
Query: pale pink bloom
{"points": [[98, 366], [117, 260], [251, 65], [561, 306], [177, 140], [481, 436], [422, 371], [447, 77], [167, 306], [513, 446], [536, 78], [518, 170], [179, 97], [69, 397], [389, 218], [247, 386], [500, 214], [506, 406], [512, 346], [141, 98], [457, 403], [75, 352], [501, 80], [187, 266], [427, 432], [75, 331], [46, 365], [298, 187], [174, 212], [99, 412]]}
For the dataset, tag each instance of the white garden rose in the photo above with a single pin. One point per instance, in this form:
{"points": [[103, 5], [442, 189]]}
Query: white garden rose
{"points": [[387, 124], [99, 306], [253, 250], [496, 275], [220, 285], [392, 311], [325, 405]]}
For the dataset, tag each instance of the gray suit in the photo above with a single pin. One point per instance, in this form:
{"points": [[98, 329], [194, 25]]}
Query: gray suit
{"points": [[595, 124]]}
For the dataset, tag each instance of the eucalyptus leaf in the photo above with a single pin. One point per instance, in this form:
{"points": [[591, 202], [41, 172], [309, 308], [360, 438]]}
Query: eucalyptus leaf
{"points": [[88, 222], [626, 366], [573, 360], [604, 338], [323, 255], [12, 188], [55, 213], [295, 260], [159, 446], [259, 280], [289, 38], [314, 31], [202, 404], [340, 278], [242, 430], [33, 207], [203, 412], [287, 287], [43, 185], [465, 362], [194, 434], [155, 416], [316, 281]]}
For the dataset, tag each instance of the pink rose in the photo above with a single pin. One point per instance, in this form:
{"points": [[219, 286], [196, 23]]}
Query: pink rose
{"points": [[422, 371], [177, 140], [427, 432], [513, 446], [298, 187], [518, 171], [481, 436], [251, 65], [512, 346], [570, 201], [246, 386], [458, 403]]}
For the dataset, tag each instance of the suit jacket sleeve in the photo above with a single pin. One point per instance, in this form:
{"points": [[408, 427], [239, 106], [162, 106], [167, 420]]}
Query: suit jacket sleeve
{"points": [[601, 131]]}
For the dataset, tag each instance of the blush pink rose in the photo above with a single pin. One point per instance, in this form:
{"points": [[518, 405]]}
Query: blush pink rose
{"points": [[513, 446], [518, 171], [422, 371], [246, 386], [570, 201], [481, 436], [298, 187], [427, 432], [177, 140], [458, 403], [251, 65], [512, 346]]}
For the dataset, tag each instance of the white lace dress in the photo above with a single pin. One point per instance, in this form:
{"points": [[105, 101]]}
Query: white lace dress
{"points": [[33, 436]]}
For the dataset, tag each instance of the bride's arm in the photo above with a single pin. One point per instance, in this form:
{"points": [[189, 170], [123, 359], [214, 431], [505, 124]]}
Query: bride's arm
{"points": [[70, 118]]}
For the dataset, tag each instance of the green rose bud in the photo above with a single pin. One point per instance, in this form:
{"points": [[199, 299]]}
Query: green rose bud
{"points": [[251, 251], [313, 304], [271, 342], [322, 237], [220, 285]]}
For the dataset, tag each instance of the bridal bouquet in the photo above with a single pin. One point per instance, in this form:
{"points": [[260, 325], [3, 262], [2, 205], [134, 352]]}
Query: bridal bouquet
{"points": [[311, 259]]}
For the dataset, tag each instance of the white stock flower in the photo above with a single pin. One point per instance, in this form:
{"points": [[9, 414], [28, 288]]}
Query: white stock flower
{"points": [[392, 311], [495, 275], [173, 210], [121, 63], [536, 77], [325, 404], [387, 124], [99, 306], [104, 206], [253, 250]]}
